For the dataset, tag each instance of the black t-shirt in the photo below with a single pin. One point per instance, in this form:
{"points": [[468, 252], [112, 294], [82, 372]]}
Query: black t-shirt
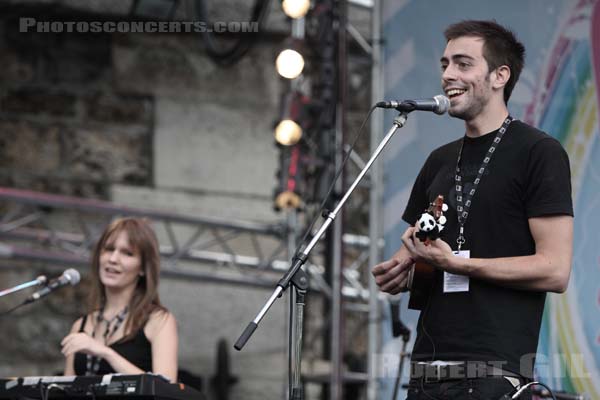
{"points": [[137, 350], [528, 176]]}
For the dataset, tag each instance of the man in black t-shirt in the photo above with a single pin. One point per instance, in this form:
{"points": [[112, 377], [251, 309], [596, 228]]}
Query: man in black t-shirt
{"points": [[510, 214]]}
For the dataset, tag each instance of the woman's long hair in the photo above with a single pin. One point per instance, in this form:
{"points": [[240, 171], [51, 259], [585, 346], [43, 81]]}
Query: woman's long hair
{"points": [[145, 299]]}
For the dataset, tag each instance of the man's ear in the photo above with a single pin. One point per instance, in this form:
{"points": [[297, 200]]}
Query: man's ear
{"points": [[502, 75]]}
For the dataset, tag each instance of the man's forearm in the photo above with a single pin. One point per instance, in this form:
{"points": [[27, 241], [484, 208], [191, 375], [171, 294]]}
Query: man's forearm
{"points": [[535, 272]]}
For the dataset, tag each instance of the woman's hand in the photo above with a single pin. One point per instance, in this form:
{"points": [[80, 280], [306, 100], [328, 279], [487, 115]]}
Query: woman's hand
{"points": [[81, 342]]}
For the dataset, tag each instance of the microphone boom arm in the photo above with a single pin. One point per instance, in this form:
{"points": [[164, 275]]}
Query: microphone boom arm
{"points": [[40, 280], [300, 259]]}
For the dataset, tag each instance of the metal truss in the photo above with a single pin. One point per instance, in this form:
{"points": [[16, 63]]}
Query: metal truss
{"points": [[33, 228]]}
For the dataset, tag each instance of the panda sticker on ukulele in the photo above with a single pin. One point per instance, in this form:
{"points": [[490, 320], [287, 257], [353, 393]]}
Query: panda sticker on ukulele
{"points": [[432, 221]]}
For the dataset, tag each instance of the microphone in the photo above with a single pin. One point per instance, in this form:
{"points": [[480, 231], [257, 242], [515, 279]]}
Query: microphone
{"points": [[70, 276], [40, 280], [438, 104]]}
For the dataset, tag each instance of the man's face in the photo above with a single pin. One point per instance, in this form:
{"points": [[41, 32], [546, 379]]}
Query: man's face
{"points": [[465, 77]]}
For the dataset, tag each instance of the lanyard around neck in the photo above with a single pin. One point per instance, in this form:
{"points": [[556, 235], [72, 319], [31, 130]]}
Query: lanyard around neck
{"points": [[464, 205]]}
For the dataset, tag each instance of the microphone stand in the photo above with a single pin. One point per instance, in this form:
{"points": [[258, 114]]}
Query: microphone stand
{"points": [[40, 280], [296, 276], [399, 329]]}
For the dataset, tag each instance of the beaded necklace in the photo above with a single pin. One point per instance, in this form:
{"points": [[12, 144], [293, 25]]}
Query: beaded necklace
{"points": [[93, 362]]}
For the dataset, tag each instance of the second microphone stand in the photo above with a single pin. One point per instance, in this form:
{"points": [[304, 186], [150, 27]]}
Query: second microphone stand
{"points": [[297, 277]]}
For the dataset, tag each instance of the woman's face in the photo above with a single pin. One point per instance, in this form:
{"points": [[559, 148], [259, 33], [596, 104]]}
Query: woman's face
{"points": [[120, 263]]}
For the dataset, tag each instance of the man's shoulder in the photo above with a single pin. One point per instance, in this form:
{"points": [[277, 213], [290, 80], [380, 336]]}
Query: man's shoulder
{"points": [[529, 134], [443, 155], [533, 142], [443, 150]]}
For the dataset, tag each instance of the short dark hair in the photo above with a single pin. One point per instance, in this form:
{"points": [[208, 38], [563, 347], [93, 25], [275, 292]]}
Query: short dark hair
{"points": [[500, 47]]}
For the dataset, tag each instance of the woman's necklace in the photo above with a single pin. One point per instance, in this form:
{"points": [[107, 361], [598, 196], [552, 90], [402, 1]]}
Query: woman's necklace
{"points": [[93, 362]]}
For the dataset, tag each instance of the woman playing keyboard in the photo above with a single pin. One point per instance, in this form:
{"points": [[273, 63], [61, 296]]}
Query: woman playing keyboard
{"points": [[126, 330]]}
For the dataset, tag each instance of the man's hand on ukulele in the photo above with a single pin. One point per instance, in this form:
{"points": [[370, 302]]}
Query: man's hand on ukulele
{"points": [[435, 252]]}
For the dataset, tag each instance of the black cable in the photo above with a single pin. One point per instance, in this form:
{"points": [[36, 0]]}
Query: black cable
{"points": [[47, 391], [42, 391], [54, 386], [426, 333], [524, 387], [92, 390], [421, 382], [229, 56], [424, 329], [10, 310], [332, 185]]}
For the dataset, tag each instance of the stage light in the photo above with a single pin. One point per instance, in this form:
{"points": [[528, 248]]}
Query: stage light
{"points": [[288, 132], [289, 63], [295, 8], [292, 116], [286, 200]]}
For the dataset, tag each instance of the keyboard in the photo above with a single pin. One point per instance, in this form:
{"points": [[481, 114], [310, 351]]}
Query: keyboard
{"points": [[113, 386]]}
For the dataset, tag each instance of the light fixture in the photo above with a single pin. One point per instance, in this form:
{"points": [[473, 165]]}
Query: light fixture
{"points": [[288, 132], [290, 179], [286, 200], [289, 63], [295, 8], [288, 129]]}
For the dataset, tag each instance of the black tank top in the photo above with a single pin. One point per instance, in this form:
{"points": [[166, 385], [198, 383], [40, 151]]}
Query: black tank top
{"points": [[137, 350]]}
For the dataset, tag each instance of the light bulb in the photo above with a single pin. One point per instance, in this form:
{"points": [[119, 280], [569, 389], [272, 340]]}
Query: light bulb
{"points": [[289, 64], [288, 132], [295, 8]]}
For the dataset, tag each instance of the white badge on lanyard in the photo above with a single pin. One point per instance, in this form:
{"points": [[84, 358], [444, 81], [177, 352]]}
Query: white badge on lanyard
{"points": [[457, 283]]}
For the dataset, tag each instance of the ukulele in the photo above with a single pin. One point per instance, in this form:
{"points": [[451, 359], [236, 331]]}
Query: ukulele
{"points": [[421, 275]]}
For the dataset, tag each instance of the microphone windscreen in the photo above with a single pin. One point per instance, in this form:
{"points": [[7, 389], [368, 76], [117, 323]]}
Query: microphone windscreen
{"points": [[443, 104], [73, 276]]}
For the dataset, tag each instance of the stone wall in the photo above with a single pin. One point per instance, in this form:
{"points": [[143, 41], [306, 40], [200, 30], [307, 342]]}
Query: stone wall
{"points": [[63, 127]]}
